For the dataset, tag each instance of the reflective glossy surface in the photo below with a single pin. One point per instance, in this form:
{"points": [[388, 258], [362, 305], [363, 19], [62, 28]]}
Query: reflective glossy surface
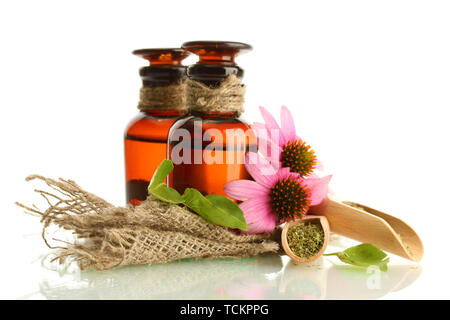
{"points": [[264, 277]]}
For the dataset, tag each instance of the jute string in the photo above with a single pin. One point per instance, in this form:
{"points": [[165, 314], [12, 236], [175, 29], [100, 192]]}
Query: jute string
{"points": [[171, 97], [107, 237], [228, 97]]}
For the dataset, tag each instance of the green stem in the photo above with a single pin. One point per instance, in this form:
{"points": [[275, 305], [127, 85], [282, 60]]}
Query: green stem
{"points": [[332, 254]]}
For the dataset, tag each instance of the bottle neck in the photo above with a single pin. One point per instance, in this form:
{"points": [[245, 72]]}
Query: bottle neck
{"points": [[213, 75], [214, 114], [156, 76], [165, 113], [163, 98]]}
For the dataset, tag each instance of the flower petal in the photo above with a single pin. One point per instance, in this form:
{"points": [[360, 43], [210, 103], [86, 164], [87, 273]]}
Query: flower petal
{"points": [[265, 145], [318, 188], [244, 189], [319, 165], [284, 172], [287, 124], [272, 126], [260, 130], [260, 169], [258, 215], [270, 151]]}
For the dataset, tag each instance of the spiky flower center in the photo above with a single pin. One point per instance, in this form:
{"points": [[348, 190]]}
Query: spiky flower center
{"points": [[289, 199], [299, 157]]}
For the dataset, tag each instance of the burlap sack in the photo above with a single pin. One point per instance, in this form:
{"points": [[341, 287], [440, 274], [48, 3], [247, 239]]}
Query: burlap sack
{"points": [[154, 232]]}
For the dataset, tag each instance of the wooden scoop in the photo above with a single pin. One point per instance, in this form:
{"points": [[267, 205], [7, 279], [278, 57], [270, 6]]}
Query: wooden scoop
{"points": [[309, 218], [369, 225]]}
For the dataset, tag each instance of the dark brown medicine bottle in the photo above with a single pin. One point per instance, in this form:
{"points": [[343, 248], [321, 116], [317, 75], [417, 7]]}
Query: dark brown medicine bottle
{"points": [[162, 102], [209, 145]]}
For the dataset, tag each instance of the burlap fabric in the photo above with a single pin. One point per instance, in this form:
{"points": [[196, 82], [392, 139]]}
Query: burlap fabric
{"points": [[154, 232], [228, 97]]}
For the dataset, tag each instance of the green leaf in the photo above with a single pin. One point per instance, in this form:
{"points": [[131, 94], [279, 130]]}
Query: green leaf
{"points": [[235, 213], [215, 208], [161, 173], [363, 255], [159, 189], [166, 194]]}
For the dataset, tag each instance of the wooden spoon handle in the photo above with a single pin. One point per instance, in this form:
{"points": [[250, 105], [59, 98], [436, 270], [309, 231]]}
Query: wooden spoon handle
{"points": [[387, 232]]}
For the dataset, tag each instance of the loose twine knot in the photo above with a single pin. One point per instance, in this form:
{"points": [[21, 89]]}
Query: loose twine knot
{"points": [[228, 97]]}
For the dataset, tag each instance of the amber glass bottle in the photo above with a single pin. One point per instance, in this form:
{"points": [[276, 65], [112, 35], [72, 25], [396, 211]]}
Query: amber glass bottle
{"points": [[162, 102], [208, 147]]}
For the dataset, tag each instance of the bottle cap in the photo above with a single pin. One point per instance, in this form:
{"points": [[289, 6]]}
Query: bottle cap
{"points": [[163, 56], [216, 60], [165, 66], [217, 52]]}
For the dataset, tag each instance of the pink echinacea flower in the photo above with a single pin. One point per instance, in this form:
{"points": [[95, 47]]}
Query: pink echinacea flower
{"points": [[282, 146], [275, 196]]}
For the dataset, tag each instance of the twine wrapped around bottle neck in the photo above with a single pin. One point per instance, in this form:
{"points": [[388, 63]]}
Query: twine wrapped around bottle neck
{"points": [[228, 97], [171, 97]]}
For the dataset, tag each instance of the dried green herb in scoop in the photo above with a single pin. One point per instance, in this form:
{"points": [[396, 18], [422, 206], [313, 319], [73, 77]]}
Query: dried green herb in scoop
{"points": [[305, 239]]}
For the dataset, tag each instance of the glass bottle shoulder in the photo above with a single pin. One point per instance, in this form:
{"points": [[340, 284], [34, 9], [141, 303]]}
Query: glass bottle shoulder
{"points": [[212, 128], [151, 126]]}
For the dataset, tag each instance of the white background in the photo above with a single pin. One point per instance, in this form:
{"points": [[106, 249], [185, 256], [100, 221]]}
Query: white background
{"points": [[367, 81]]}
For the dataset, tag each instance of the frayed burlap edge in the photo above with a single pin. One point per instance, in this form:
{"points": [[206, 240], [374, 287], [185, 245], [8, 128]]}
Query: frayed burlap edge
{"points": [[154, 232]]}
